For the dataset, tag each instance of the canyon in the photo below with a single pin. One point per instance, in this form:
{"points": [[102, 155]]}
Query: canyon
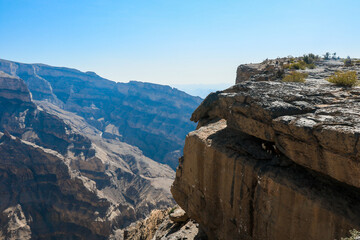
{"points": [[152, 117], [61, 179], [65, 175], [268, 159]]}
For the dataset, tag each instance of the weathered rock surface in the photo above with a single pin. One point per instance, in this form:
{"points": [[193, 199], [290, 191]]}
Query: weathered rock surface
{"points": [[316, 125], [267, 71], [189, 230], [59, 179], [159, 226], [153, 117], [274, 160], [53, 203], [13, 88], [179, 215], [275, 69], [15, 225], [237, 190]]}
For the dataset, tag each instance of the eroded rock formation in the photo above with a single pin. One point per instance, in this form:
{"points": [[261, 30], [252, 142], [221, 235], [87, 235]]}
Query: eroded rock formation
{"points": [[160, 226], [266, 71], [59, 179], [274, 160]]}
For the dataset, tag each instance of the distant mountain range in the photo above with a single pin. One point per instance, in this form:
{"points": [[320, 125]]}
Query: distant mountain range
{"points": [[202, 90], [155, 118]]}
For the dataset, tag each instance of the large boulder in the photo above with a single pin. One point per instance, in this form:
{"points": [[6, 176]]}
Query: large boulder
{"points": [[266, 71]]}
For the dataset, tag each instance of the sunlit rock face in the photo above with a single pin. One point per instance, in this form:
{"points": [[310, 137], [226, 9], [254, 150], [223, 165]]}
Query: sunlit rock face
{"points": [[152, 117], [60, 179], [274, 160], [13, 88]]}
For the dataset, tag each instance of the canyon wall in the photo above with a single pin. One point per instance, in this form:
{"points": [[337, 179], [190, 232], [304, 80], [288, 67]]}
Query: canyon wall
{"points": [[60, 179], [152, 117], [274, 160]]}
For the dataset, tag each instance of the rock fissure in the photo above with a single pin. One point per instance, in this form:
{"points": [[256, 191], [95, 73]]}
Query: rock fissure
{"points": [[252, 207], [356, 150]]}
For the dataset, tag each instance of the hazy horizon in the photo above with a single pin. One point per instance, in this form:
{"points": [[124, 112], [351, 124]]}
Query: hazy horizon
{"points": [[173, 42]]}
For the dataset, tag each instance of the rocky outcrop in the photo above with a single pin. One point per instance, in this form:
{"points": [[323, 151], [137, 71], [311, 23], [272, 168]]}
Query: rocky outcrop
{"points": [[49, 201], [276, 69], [159, 226], [13, 88], [15, 225], [273, 160], [179, 215], [268, 70], [153, 117], [315, 125], [59, 178]]}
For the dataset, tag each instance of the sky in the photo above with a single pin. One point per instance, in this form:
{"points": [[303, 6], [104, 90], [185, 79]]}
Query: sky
{"points": [[173, 42]]}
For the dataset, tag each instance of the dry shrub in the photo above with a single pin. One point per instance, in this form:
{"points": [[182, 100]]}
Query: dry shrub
{"points": [[295, 77], [347, 79]]}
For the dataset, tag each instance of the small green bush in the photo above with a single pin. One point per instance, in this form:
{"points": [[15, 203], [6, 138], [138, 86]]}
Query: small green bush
{"points": [[310, 59], [348, 62], [301, 65], [354, 235], [347, 79], [311, 66], [327, 56], [172, 210], [295, 77], [297, 65]]}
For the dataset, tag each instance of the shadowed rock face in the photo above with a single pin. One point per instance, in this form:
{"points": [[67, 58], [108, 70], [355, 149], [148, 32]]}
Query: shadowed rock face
{"points": [[237, 190], [53, 203], [149, 116], [60, 179], [273, 160]]}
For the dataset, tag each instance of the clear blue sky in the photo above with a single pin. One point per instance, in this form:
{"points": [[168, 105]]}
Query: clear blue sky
{"points": [[173, 41]]}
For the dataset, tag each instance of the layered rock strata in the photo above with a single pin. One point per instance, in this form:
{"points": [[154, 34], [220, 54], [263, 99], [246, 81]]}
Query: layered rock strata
{"points": [[152, 117], [316, 125], [12, 88], [273, 160], [49, 201], [59, 179]]}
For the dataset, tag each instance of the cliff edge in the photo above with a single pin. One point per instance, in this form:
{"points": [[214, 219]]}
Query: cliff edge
{"points": [[274, 160]]}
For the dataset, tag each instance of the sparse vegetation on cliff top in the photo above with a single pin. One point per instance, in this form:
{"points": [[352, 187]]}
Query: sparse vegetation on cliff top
{"points": [[306, 61], [347, 79], [295, 77]]}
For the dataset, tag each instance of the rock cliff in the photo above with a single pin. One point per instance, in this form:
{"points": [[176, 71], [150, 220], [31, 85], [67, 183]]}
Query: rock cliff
{"points": [[152, 117], [274, 160], [12, 88], [60, 179]]}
